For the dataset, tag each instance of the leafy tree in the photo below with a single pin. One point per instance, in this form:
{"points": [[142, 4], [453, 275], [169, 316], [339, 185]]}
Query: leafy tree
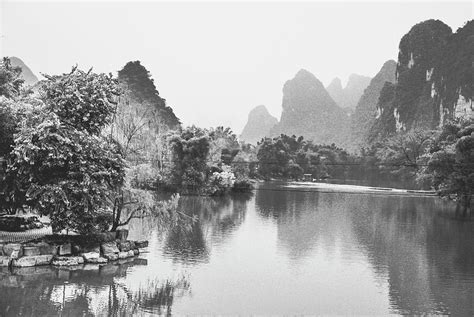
{"points": [[10, 79], [400, 154], [85, 101], [450, 163], [10, 89], [61, 165], [190, 152]]}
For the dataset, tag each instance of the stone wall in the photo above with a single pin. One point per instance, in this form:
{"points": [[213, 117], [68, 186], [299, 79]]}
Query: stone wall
{"points": [[61, 250]]}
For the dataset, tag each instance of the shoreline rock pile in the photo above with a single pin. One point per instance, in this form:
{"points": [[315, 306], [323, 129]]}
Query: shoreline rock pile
{"points": [[61, 251]]}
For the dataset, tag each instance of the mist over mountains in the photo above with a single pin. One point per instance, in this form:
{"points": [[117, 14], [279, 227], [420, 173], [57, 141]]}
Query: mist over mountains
{"points": [[431, 82], [348, 96], [259, 124]]}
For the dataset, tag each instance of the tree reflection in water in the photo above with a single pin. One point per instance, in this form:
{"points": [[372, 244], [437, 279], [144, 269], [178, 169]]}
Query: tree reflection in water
{"points": [[218, 217], [86, 290]]}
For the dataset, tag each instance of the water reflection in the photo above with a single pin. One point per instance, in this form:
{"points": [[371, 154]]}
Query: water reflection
{"points": [[218, 218], [87, 290], [280, 251], [427, 253]]}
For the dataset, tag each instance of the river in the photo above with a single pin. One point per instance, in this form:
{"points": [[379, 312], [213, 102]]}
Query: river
{"points": [[285, 249]]}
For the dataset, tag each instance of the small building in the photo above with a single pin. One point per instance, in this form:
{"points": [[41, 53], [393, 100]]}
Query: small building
{"points": [[308, 177]]}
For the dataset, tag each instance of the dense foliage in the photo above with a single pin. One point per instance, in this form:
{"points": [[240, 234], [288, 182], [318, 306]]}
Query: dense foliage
{"points": [[203, 161], [60, 164], [449, 163], [291, 157]]}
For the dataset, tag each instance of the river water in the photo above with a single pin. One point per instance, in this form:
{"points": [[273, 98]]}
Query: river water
{"points": [[284, 249]]}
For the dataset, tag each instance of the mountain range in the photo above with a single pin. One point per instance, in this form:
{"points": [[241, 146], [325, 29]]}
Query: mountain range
{"points": [[430, 83]]}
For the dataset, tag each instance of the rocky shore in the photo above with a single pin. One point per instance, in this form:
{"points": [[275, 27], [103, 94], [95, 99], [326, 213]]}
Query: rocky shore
{"points": [[70, 250]]}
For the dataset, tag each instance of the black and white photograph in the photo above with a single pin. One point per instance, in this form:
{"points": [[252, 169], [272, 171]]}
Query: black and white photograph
{"points": [[236, 158]]}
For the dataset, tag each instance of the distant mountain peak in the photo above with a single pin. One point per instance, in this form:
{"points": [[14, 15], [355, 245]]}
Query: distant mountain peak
{"points": [[309, 111], [349, 96], [259, 124], [28, 76]]}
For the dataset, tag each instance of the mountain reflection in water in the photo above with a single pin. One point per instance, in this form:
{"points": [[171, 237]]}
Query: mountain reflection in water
{"points": [[278, 251]]}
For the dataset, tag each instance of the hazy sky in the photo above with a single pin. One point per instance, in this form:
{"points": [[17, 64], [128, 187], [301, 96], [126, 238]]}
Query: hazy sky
{"points": [[213, 62]]}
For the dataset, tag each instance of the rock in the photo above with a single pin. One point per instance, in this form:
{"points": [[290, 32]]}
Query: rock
{"points": [[111, 256], [124, 246], [109, 247], [121, 235], [46, 248], [44, 259], [76, 249], [5, 261], [93, 257], [24, 261], [15, 254], [123, 255], [30, 251], [65, 249], [9, 250], [67, 260], [99, 260], [90, 255], [141, 244]]}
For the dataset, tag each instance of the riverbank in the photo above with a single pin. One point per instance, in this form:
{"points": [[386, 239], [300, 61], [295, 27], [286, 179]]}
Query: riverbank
{"points": [[70, 250]]}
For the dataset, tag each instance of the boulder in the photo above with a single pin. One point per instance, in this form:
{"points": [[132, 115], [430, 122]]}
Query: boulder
{"points": [[30, 251], [90, 256], [111, 256], [121, 235], [24, 261], [124, 246], [5, 261], [65, 249], [67, 260], [123, 255], [109, 247], [45, 248], [99, 260], [94, 257], [10, 248], [44, 259], [141, 244]]}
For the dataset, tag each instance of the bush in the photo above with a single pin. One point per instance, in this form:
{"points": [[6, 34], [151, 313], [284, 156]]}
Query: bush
{"points": [[221, 182], [144, 176]]}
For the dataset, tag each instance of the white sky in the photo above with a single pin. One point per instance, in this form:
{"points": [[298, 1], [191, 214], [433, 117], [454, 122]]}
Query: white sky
{"points": [[213, 62]]}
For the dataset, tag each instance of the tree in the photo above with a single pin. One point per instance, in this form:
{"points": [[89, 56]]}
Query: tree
{"points": [[10, 79], [400, 154], [450, 164], [61, 165], [190, 152]]}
